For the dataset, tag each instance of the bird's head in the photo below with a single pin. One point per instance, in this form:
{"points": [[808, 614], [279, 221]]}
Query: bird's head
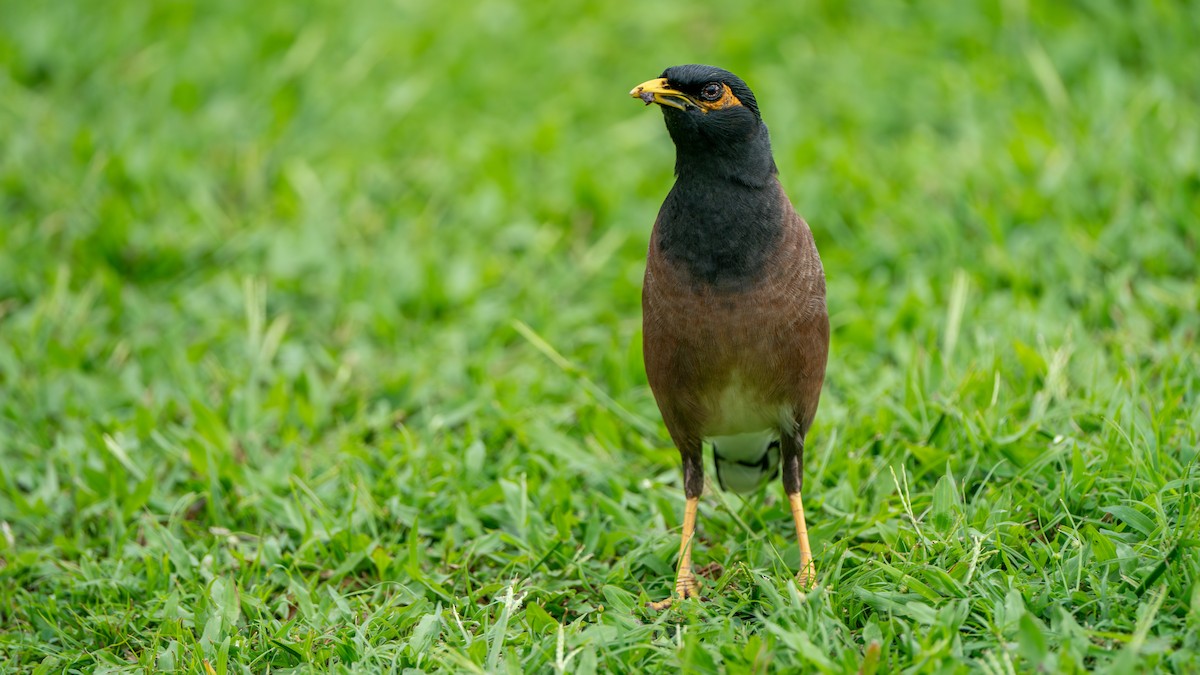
{"points": [[712, 116]]}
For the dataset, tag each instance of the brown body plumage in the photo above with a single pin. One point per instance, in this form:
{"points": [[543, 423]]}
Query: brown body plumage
{"points": [[773, 335]]}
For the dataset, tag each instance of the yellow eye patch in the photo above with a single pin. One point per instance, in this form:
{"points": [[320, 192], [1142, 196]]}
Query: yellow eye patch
{"points": [[728, 100]]}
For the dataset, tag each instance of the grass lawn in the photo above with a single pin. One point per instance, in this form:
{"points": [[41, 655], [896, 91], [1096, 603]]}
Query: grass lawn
{"points": [[320, 339]]}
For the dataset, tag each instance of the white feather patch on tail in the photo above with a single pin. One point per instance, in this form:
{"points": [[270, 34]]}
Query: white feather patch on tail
{"points": [[745, 461]]}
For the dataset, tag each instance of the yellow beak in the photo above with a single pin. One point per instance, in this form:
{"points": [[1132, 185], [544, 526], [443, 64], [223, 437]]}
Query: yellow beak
{"points": [[657, 91]]}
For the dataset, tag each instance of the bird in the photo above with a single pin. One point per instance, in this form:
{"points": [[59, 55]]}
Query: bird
{"points": [[735, 328]]}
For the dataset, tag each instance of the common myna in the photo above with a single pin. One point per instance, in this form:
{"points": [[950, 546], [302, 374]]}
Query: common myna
{"points": [[735, 330]]}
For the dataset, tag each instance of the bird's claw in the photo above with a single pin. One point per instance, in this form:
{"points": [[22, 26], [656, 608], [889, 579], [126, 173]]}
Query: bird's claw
{"points": [[806, 578], [685, 587]]}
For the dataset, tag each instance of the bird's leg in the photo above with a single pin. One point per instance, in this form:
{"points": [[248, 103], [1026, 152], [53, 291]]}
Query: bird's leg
{"points": [[793, 480], [693, 485], [685, 580], [806, 577]]}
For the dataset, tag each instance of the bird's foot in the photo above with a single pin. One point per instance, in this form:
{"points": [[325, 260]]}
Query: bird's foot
{"points": [[806, 578], [685, 587]]}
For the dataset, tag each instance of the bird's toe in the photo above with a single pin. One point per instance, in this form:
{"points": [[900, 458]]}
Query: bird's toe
{"points": [[806, 578], [686, 586]]}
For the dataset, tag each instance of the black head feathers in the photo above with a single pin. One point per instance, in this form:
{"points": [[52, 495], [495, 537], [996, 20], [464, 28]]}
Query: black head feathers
{"points": [[714, 120], [692, 78]]}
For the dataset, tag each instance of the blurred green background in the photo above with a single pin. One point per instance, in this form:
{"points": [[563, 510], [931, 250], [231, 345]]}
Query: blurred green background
{"points": [[320, 338]]}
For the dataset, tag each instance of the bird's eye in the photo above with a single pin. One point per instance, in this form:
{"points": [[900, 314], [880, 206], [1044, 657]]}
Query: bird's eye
{"points": [[711, 91]]}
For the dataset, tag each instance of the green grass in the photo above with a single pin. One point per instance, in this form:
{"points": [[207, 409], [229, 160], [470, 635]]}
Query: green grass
{"points": [[320, 339]]}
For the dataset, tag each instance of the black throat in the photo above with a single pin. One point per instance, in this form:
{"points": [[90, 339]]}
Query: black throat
{"points": [[725, 214]]}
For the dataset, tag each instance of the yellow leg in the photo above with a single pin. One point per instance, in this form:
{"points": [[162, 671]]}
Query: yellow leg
{"points": [[807, 576], [685, 581]]}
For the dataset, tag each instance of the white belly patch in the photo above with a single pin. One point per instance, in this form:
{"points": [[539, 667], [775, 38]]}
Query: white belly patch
{"points": [[745, 437], [739, 410]]}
